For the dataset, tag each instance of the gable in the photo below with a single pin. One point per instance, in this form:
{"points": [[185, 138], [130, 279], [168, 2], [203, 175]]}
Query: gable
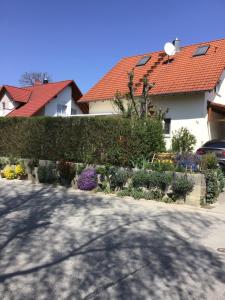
{"points": [[65, 99], [7, 104]]}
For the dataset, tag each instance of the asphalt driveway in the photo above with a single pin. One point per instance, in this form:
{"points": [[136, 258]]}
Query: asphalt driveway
{"points": [[60, 244]]}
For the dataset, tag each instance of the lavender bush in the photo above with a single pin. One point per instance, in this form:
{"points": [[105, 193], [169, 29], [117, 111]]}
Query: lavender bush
{"points": [[87, 180]]}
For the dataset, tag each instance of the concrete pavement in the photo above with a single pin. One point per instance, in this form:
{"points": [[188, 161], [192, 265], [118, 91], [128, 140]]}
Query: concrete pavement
{"points": [[62, 244]]}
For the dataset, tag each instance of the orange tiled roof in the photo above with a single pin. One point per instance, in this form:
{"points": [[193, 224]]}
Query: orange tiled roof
{"points": [[184, 74], [18, 94], [37, 96]]}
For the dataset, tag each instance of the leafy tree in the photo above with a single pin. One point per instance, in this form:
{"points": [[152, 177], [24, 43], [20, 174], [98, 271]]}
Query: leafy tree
{"points": [[129, 105], [183, 141], [29, 78]]}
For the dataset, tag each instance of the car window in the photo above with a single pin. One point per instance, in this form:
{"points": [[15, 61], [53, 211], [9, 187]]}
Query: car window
{"points": [[215, 144]]}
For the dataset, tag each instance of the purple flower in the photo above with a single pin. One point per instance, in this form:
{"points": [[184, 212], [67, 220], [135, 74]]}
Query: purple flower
{"points": [[87, 180]]}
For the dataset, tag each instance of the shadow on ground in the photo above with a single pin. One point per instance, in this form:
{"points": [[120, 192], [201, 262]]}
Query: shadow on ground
{"points": [[58, 245]]}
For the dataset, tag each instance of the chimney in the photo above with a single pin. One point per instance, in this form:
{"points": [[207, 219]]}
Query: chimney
{"points": [[45, 80], [176, 44]]}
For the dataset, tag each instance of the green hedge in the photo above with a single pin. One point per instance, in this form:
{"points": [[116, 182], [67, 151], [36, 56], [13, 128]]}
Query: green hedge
{"points": [[111, 140]]}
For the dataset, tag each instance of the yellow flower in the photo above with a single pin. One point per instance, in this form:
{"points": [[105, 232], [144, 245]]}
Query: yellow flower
{"points": [[20, 170], [9, 173]]}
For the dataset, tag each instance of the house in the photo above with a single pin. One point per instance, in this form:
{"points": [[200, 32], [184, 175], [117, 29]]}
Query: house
{"points": [[42, 99], [191, 84]]}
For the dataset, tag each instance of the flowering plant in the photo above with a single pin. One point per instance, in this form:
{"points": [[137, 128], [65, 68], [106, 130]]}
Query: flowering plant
{"points": [[20, 170], [9, 173], [87, 180]]}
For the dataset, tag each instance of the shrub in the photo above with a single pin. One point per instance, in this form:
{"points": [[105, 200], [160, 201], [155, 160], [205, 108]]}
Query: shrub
{"points": [[100, 140], [9, 173], [209, 162], [140, 179], [221, 179], [20, 170], [162, 180], [151, 180], [181, 187], [66, 170], [212, 186], [118, 178], [125, 193], [183, 141], [87, 180], [136, 193], [47, 174]]}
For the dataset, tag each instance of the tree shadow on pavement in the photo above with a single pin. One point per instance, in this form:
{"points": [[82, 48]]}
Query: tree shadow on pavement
{"points": [[55, 244]]}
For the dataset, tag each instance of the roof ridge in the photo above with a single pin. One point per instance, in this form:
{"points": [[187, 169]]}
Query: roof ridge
{"points": [[158, 51], [44, 84], [27, 88], [16, 87]]}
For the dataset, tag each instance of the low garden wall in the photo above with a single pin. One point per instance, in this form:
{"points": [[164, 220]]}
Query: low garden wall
{"points": [[119, 181]]}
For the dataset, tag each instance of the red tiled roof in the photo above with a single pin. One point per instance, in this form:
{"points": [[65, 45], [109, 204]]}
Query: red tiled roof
{"points": [[185, 74], [17, 94], [37, 96]]}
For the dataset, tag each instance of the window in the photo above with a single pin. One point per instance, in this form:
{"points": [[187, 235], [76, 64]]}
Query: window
{"points": [[167, 125], [73, 111], [3, 105], [61, 110], [143, 61], [201, 50]]}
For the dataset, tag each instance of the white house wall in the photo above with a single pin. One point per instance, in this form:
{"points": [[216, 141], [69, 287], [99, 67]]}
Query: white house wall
{"points": [[9, 105], [63, 98], [188, 111]]}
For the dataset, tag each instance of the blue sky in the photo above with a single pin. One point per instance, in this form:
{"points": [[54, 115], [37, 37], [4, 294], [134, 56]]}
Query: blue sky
{"points": [[82, 40]]}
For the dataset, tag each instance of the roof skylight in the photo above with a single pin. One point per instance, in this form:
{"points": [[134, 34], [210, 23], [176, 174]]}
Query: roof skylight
{"points": [[201, 50], [143, 61]]}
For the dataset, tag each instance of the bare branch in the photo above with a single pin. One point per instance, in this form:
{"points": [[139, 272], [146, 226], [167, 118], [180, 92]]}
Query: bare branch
{"points": [[29, 78]]}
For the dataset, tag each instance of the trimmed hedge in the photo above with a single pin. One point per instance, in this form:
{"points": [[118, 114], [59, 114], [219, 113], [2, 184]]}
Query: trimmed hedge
{"points": [[100, 140]]}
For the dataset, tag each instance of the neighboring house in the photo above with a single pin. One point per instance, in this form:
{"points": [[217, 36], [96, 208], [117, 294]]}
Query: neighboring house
{"points": [[191, 84], [42, 99]]}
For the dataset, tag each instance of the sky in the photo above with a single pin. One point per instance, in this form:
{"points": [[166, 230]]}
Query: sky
{"points": [[83, 39]]}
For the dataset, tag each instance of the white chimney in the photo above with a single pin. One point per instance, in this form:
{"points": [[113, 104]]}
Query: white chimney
{"points": [[176, 44]]}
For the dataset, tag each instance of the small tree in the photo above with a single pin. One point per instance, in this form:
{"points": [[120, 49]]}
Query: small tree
{"points": [[183, 141], [29, 78], [140, 107]]}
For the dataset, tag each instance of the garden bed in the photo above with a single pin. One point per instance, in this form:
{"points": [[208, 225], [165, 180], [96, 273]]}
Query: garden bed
{"points": [[150, 184]]}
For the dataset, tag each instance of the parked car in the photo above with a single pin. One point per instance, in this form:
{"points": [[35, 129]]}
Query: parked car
{"points": [[214, 146]]}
